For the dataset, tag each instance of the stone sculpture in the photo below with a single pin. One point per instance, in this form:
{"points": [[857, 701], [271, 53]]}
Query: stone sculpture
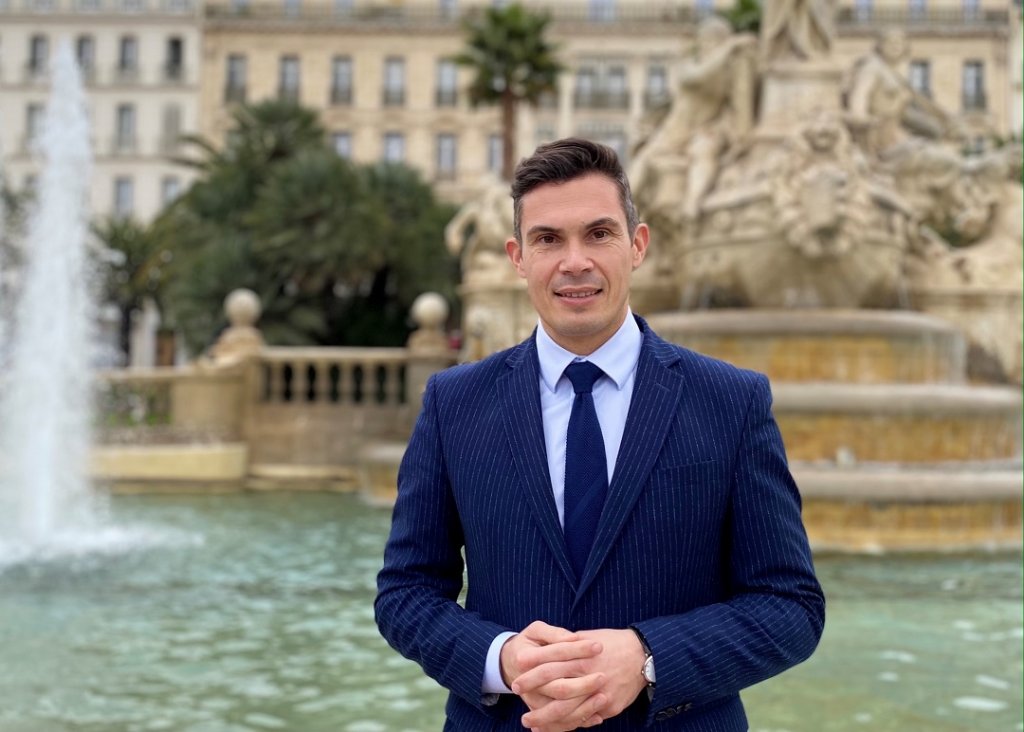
{"points": [[797, 29]]}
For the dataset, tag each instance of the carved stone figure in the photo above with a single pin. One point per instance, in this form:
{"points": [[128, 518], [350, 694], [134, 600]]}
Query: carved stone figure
{"points": [[713, 109], [884, 110], [797, 29], [478, 233]]}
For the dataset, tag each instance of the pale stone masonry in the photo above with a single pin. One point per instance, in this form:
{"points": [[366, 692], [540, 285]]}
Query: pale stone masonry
{"points": [[141, 66], [378, 72]]}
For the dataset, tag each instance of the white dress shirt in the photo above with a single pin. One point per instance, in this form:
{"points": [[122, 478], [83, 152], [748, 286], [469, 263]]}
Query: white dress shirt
{"points": [[618, 358]]}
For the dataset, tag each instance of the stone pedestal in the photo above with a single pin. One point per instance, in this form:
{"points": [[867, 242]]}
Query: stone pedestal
{"points": [[791, 92]]}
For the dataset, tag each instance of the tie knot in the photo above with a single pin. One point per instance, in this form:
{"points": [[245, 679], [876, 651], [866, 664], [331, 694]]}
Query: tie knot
{"points": [[583, 374]]}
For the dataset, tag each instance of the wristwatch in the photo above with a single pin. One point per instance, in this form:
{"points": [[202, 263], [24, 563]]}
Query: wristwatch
{"points": [[647, 670]]}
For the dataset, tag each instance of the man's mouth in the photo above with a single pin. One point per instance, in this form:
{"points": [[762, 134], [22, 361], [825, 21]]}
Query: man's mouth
{"points": [[578, 294]]}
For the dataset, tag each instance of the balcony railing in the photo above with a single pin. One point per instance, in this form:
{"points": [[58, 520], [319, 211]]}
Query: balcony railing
{"points": [[446, 97], [174, 72], [976, 101], [234, 94], [393, 97], [36, 71], [636, 16], [601, 99], [963, 19], [126, 74], [341, 95], [92, 7], [653, 100], [124, 145]]}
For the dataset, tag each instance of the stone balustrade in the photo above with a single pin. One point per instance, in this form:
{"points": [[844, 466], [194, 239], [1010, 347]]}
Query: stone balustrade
{"points": [[340, 376]]}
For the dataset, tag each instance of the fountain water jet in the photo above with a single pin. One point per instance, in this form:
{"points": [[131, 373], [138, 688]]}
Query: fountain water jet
{"points": [[45, 417], [47, 505]]}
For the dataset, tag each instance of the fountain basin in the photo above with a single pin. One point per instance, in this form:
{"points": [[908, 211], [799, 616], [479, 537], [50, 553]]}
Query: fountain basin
{"points": [[851, 346], [171, 468]]}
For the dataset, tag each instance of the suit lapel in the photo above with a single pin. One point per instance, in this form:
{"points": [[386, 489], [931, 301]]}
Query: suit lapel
{"points": [[656, 392], [520, 397]]}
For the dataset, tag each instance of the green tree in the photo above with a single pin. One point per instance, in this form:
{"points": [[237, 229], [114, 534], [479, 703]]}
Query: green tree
{"points": [[512, 63], [744, 16], [133, 270], [336, 252]]}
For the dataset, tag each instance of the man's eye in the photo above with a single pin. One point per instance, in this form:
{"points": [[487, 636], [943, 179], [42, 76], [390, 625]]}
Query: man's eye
{"points": [[601, 234], [546, 239]]}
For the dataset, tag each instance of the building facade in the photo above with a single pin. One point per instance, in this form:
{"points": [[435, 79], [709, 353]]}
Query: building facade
{"points": [[380, 72], [381, 75], [140, 65]]}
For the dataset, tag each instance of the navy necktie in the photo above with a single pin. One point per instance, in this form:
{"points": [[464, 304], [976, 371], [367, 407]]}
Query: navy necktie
{"points": [[586, 467]]}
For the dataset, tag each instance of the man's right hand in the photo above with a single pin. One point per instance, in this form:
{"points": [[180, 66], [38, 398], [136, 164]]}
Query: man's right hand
{"points": [[569, 703]]}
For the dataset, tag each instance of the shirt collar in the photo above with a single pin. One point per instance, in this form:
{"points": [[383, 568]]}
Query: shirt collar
{"points": [[617, 356]]}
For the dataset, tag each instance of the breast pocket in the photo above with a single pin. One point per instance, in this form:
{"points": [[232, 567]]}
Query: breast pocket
{"points": [[686, 504]]}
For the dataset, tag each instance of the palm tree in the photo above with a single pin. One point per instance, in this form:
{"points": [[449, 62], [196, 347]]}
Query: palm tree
{"points": [[512, 62]]}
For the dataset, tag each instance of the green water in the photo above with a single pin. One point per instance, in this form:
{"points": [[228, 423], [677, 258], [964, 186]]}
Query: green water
{"points": [[257, 615]]}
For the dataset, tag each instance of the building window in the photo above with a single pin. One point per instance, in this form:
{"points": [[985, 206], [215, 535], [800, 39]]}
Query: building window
{"points": [[33, 126], [288, 78], [124, 196], [174, 67], [88, 6], [171, 129], [495, 157], [38, 55], [128, 58], [600, 86], [343, 7], [170, 189], [972, 9], [394, 82], [602, 11], [446, 156], [448, 8], [918, 9], [863, 10], [920, 77], [447, 84], [656, 93], [611, 135], [239, 6], [234, 89], [394, 147], [85, 54], [292, 8], [342, 144], [586, 87], [974, 86], [341, 80], [704, 8], [615, 88], [124, 136]]}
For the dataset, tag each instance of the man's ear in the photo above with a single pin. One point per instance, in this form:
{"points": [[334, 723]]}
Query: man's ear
{"points": [[641, 239], [515, 255]]}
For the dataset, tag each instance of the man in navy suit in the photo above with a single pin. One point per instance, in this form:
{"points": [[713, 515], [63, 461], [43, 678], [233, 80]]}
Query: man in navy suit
{"points": [[633, 545]]}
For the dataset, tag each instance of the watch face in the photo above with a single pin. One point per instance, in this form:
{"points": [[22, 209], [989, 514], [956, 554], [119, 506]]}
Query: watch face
{"points": [[649, 670]]}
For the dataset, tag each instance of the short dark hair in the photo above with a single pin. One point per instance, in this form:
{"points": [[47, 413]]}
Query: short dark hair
{"points": [[564, 160]]}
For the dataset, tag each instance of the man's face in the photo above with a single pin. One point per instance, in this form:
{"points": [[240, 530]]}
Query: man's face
{"points": [[576, 258]]}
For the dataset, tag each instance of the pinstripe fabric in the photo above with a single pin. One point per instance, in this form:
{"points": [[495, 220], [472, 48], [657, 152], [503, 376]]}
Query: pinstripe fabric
{"points": [[700, 544]]}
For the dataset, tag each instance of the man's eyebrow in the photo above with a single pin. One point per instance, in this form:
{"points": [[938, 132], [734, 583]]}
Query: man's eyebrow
{"points": [[604, 221], [542, 229]]}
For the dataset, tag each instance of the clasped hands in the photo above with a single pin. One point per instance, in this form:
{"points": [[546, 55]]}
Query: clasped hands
{"points": [[572, 680]]}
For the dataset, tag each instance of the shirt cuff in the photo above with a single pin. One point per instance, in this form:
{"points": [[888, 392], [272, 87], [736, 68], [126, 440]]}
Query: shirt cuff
{"points": [[493, 683]]}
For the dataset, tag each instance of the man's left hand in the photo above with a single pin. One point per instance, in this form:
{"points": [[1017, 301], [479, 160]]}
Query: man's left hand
{"points": [[620, 663]]}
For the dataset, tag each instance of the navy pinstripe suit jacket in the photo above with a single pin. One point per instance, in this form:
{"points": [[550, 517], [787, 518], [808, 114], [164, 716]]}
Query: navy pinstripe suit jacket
{"points": [[700, 545]]}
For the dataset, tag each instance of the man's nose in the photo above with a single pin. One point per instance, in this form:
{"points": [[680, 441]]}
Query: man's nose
{"points": [[577, 258]]}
